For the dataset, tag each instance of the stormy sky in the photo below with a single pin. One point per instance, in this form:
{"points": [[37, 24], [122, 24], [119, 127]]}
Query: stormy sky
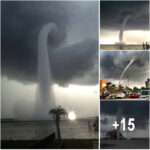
{"points": [[112, 65], [21, 23], [130, 109], [73, 52], [112, 14]]}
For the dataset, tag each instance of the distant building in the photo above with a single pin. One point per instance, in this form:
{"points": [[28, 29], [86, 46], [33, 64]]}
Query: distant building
{"points": [[147, 83], [114, 134], [103, 84]]}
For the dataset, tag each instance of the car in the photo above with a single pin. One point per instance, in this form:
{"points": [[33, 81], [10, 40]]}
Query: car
{"points": [[128, 93], [120, 95], [105, 94], [134, 94], [145, 94], [112, 96]]}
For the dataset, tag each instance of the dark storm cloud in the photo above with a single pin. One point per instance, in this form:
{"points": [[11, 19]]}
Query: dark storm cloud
{"points": [[21, 23], [114, 12], [71, 62], [130, 109], [113, 64]]}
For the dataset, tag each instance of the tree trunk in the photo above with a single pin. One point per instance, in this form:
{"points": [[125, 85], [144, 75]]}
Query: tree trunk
{"points": [[58, 131], [58, 127]]}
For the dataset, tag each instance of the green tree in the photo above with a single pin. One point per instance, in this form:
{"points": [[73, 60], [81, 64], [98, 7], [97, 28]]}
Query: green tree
{"points": [[108, 85], [135, 89], [56, 114], [143, 88], [128, 88], [113, 87], [121, 88]]}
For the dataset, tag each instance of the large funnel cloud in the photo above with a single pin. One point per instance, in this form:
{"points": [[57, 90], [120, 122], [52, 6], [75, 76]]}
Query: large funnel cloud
{"points": [[119, 60], [127, 16], [119, 116], [126, 68], [45, 99]]}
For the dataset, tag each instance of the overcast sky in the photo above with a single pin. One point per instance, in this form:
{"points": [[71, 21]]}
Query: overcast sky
{"points": [[130, 109], [73, 53], [112, 64], [112, 14]]}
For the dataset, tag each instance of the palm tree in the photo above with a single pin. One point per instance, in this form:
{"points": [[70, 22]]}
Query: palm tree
{"points": [[143, 88], [108, 85], [113, 87], [56, 114], [135, 89], [121, 88]]}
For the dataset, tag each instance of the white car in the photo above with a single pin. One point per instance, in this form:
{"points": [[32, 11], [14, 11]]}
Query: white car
{"points": [[120, 95], [145, 94]]}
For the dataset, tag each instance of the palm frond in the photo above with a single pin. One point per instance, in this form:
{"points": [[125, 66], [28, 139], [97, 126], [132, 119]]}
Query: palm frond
{"points": [[58, 111], [52, 111]]}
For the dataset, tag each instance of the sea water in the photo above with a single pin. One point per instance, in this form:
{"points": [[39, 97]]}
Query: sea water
{"points": [[34, 130]]}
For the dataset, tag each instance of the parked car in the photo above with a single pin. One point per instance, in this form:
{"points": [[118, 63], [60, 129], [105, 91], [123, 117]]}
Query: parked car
{"points": [[145, 94], [105, 94], [112, 96], [120, 95], [134, 94], [128, 93]]}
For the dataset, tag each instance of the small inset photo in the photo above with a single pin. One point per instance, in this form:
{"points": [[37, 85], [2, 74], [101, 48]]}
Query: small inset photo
{"points": [[124, 75], [124, 125], [124, 25]]}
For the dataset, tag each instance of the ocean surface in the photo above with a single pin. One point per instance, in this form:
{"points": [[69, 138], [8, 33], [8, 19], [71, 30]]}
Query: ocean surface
{"points": [[34, 130], [118, 47]]}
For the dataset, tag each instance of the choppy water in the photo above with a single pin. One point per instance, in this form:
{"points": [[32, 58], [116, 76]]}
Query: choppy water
{"points": [[124, 47], [39, 129]]}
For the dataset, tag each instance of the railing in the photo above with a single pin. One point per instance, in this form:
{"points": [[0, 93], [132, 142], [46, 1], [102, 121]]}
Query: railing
{"points": [[46, 141]]}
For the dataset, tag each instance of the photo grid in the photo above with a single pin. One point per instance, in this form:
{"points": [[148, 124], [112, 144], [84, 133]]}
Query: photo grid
{"points": [[49, 75], [75, 74], [124, 74]]}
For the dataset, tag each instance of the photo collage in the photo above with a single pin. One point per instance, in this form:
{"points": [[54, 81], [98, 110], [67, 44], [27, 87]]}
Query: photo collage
{"points": [[75, 74]]}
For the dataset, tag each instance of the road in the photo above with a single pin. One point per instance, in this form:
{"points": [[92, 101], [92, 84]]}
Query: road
{"points": [[124, 144]]}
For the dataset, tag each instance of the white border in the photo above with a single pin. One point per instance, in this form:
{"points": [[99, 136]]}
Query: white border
{"points": [[99, 73]]}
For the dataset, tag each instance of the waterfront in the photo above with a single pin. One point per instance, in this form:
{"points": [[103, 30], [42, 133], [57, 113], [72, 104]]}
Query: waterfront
{"points": [[36, 130]]}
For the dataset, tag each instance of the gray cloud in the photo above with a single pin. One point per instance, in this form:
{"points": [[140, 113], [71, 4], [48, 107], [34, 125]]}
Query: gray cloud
{"points": [[104, 121], [113, 13], [21, 23], [113, 64], [130, 109], [71, 62]]}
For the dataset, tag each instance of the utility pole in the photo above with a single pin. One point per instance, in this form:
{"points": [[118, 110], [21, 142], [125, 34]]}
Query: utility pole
{"points": [[128, 80]]}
